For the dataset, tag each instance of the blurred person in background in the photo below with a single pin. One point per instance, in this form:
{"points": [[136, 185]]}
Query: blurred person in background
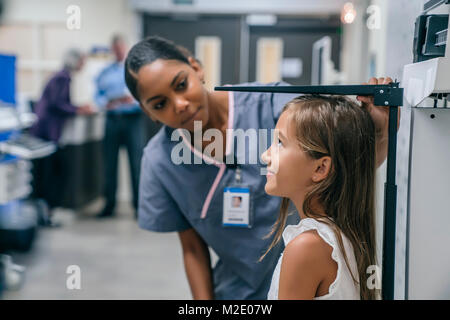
{"points": [[124, 126], [53, 109]]}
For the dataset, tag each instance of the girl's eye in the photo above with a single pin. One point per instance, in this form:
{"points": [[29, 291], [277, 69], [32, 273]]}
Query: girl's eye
{"points": [[159, 105], [279, 143]]}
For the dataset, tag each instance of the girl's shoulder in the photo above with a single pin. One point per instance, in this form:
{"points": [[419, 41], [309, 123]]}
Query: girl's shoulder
{"points": [[309, 258], [313, 258], [311, 240], [309, 250], [306, 261]]}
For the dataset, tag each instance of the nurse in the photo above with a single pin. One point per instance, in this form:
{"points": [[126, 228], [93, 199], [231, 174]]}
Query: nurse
{"points": [[188, 197]]}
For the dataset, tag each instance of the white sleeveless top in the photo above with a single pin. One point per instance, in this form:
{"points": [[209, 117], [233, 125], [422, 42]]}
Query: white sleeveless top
{"points": [[343, 287]]}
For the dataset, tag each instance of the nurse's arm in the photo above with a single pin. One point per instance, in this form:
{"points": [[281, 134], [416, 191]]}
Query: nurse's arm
{"points": [[197, 264], [380, 117]]}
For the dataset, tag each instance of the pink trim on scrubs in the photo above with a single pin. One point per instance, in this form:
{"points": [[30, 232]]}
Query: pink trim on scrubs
{"points": [[222, 166]]}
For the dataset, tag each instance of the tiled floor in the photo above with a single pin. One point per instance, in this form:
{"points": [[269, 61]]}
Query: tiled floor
{"points": [[117, 259]]}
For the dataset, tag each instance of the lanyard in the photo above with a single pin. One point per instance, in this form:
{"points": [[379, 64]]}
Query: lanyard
{"points": [[237, 175], [221, 166]]}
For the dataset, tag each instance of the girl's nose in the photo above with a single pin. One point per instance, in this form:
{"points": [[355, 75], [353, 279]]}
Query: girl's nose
{"points": [[265, 157]]}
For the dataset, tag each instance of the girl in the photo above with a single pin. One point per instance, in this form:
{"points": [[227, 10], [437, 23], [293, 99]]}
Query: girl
{"points": [[325, 155], [188, 198]]}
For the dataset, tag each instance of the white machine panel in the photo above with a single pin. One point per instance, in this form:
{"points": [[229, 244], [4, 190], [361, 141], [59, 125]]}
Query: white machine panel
{"points": [[428, 250]]}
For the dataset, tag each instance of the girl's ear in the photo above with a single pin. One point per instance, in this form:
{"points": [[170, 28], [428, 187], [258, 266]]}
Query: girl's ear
{"points": [[322, 169], [197, 68]]}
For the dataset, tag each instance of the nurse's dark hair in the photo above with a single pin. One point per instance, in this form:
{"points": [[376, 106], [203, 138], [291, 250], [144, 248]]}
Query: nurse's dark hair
{"points": [[145, 52], [337, 127]]}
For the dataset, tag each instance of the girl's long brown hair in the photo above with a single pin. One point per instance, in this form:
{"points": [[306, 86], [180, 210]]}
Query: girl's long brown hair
{"points": [[337, 127]]}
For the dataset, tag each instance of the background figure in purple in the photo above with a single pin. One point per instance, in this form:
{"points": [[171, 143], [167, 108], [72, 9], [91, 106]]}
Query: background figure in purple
{"points": [[53, 109]]}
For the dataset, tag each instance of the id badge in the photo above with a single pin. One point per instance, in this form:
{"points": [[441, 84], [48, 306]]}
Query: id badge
{"points": [[237, 208]]}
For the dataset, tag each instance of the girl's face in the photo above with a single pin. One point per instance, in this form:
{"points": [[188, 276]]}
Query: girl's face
{"points": [[290, 171], [172, 92]]}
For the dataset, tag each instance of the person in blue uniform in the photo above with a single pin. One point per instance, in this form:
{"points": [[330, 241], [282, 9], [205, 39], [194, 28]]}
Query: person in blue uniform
{"points": [[124, 126], [188, 196]]}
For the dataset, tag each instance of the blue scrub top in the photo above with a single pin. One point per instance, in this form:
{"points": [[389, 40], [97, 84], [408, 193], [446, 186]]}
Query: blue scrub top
{"points": [[171, 198]]}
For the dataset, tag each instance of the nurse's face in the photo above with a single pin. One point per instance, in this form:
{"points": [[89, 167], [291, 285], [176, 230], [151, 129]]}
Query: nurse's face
{"points": [[289, 169], [172, 92]]}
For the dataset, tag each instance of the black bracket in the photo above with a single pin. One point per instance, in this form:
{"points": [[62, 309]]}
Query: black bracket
{"points": [[384, 94]]}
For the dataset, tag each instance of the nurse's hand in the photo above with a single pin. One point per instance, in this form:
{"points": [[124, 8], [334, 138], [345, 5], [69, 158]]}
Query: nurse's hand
{"points": [[380, 117]]}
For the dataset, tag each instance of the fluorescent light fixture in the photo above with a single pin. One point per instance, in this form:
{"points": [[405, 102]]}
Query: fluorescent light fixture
{"points": [[261, 19]]}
